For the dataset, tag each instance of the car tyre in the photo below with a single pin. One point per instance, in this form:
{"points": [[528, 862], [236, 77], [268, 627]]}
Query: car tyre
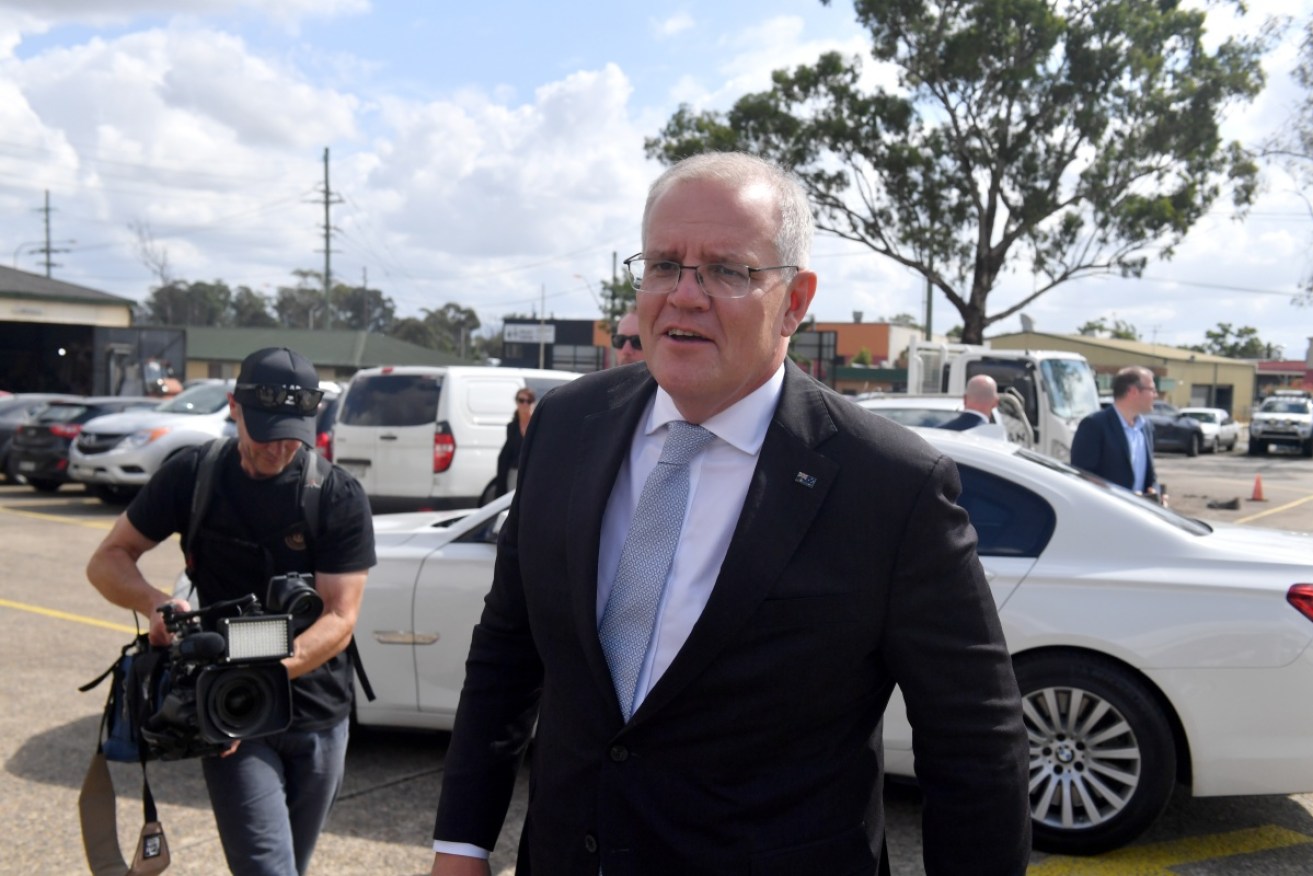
{"points": [[43, 485], [1308, 448], [1257, 448], [112, 494], [1102, 755], [1192, 446]]}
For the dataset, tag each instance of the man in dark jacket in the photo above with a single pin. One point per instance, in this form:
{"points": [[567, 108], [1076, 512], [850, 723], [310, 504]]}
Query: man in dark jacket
{"points": [[1117, 442]]}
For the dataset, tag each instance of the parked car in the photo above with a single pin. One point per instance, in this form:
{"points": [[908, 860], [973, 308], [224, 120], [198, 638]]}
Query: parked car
{"points": [[1285, 419], [929, 411], [14, 409], [116, 454], [39, 453], [1221, 432], [429, 436], [1173, 430], [1170, 659]]}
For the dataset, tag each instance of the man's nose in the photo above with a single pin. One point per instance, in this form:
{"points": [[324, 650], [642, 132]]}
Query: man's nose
{"points": [[688, 293]]}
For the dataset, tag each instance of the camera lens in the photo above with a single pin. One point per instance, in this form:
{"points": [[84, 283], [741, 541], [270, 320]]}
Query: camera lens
{"points": [[240, 702]]}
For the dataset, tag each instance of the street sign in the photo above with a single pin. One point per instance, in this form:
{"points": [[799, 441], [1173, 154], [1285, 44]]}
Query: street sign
{"points": [[521, 333]]}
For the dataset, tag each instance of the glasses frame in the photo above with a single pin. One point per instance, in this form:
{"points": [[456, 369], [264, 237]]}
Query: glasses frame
{"points": [[697, 273], [618, 342], [274, 398], [523, 401]]}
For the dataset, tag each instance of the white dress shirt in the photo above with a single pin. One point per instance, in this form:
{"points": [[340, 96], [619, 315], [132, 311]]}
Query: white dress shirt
{"points": [[719, 477]]}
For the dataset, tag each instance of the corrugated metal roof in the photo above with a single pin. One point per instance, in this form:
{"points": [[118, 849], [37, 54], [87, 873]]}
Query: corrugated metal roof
{"points": [[1140, 348], [21, 284], [340, 348]]}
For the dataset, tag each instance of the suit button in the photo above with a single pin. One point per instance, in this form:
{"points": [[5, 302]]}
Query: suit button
{"points": [[619, 753], [590, 843]]}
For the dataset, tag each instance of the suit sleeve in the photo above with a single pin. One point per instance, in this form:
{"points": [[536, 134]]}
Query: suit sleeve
{"points": [[498, 704], [946, 649], [1085, 448]]}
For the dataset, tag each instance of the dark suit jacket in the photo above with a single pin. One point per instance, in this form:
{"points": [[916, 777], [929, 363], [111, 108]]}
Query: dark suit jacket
{"points": [[509, 457], [964, 421], [1100, 448], [851, 568]]}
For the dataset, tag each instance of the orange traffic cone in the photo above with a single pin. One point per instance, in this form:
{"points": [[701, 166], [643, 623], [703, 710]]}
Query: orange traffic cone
{"points": [[1258, 489]]}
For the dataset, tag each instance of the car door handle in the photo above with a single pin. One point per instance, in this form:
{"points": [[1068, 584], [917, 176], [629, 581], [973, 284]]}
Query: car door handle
{"points": [[387, 437], [403, 637]]}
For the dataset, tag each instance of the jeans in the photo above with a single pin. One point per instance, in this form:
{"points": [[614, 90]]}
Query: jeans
{"points": [[272, 797]]}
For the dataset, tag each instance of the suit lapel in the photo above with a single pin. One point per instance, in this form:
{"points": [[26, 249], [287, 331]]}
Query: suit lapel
{"points": [[604, 440], [788, 487]]}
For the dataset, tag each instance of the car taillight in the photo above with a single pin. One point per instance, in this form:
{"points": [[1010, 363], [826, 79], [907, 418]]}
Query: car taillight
{"points": [[444, 448], [66, 430], [324, 444], [1301, 597]]}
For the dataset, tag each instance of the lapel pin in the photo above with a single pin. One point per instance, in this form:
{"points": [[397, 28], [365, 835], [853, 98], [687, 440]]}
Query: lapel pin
{"points": [[805, 479]]}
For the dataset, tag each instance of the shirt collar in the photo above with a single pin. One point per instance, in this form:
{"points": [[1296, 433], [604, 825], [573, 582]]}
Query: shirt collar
{"points": [[742, 425]]}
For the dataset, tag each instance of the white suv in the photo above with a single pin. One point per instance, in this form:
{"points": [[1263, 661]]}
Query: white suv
{"points": [[1285, 418], [116, 455]]}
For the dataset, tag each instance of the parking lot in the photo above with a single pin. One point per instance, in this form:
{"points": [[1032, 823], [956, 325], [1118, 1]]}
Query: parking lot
{"points": [[56, 633]]}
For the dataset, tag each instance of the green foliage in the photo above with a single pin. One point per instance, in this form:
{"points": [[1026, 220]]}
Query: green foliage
{"points": [[863, 357], [1120, 329], [1241, 343], [1081, 138]]}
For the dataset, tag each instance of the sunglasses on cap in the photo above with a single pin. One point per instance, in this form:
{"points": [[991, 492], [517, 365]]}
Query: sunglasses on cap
{"points": [[277, 399], [618, 341]]}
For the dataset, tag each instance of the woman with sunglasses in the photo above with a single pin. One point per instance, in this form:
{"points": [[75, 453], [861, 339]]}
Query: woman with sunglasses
{"points": [[509, 458]]}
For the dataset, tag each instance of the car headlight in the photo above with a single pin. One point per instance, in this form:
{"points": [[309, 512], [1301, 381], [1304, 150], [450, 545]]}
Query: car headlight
{"points": [[144, 437]]}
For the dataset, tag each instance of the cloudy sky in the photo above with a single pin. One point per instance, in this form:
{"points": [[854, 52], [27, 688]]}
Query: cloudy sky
{"points": [[486, 153]]}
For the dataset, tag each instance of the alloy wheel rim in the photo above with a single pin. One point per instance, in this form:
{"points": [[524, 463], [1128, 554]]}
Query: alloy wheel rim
{"points": [[1085, 761]]}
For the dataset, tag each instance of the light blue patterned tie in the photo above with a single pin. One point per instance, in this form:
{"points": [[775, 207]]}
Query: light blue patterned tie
{"points": [[649, 549]]}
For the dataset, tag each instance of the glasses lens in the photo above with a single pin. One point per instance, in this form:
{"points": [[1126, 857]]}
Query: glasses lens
{"points": [[725, 281], [273, 398], [523, 401]]}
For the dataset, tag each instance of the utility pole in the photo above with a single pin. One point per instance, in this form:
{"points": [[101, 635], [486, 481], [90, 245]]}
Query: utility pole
{"points": [[330, 198], [49, 250]]}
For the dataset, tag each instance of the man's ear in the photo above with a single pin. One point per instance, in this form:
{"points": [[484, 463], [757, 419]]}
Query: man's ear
{"points": [[798, 297]]}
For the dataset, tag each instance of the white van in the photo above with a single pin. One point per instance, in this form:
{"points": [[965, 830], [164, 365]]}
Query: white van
{"points": [[428, 436]]}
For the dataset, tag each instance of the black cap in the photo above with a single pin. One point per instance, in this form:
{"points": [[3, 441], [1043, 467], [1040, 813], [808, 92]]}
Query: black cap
{"points": [[278, 366]]}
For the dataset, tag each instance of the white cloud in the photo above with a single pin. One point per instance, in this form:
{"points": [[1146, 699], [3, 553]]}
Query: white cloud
{"points": [[674, 25]]}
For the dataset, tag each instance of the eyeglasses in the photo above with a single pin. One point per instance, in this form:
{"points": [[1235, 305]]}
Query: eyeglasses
{"points": [[1150, 388], [277, 399], [661, 276], [618, 342], [524, 401]]}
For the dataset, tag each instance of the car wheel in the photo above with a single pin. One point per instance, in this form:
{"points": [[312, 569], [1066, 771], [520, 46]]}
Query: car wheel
{"points": [[1192, 445], [111, 494], [489, 493], [41, 485], [1308, 448], [1257, 448], [1102, 757]]}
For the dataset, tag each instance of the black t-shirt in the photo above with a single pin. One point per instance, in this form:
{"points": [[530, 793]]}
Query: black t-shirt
{"points": [[254, 529]]}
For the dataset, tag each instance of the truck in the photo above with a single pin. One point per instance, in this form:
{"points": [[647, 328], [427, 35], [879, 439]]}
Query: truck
{"points": [[1043, 394]]}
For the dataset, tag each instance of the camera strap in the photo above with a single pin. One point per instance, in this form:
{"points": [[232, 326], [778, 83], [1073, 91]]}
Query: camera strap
{"points": [[100, 834]]}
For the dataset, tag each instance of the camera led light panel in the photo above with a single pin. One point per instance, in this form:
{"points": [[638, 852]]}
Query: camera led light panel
{"points": [[261, 637]]}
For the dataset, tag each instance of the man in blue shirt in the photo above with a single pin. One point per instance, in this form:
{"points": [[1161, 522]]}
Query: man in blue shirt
{"points": [[1117, 443]]}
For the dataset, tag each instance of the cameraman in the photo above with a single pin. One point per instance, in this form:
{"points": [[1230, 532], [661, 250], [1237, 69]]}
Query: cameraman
{"points": [[271, 795]]}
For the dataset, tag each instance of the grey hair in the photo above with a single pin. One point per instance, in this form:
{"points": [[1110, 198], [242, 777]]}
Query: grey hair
{"points": [[793, 239]]}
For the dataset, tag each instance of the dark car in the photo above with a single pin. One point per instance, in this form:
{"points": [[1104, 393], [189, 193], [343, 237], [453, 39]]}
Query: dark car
{"points": [[39, 453], [1173, 430], [14, 409]]}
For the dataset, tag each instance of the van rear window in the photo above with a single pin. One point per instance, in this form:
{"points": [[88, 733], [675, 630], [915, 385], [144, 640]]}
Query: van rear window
{"points": [[391, 400]]}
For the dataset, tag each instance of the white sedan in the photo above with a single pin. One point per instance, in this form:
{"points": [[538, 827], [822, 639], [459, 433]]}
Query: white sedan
{"points": [[1151, 649], [1220, 431]]}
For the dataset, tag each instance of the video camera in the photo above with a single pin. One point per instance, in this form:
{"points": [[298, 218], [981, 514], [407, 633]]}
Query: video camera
{"points": [[224, 679]]}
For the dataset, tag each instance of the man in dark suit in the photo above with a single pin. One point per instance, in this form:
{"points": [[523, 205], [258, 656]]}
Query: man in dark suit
{"points": [[978, 403], [821, 560], [1116, 443]]}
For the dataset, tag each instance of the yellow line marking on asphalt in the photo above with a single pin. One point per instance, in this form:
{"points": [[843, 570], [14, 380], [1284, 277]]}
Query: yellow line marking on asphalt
{"points": [[1157, 858], [64, 615], [95, 524], [1286, 507]]}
